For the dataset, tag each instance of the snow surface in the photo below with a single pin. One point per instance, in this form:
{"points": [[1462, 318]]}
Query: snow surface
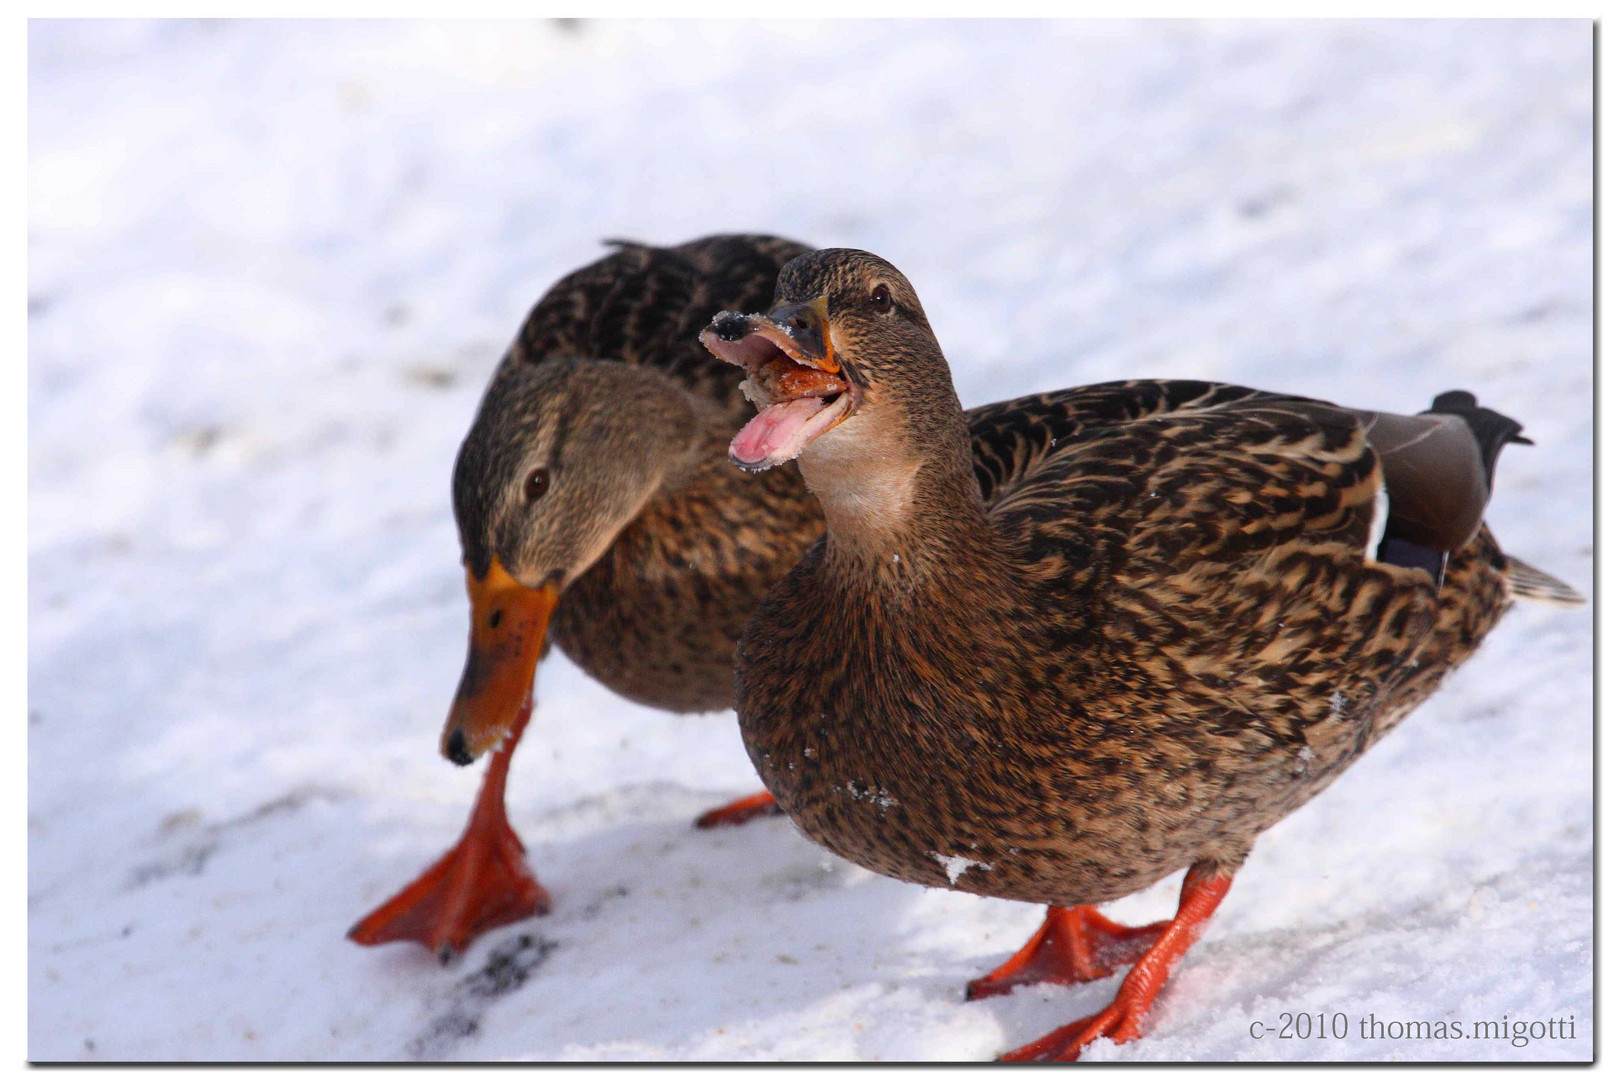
{"points": [[271, 266]]}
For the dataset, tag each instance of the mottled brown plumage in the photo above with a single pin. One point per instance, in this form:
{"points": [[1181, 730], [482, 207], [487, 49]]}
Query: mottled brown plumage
{"points": [[596, 509], [1157, 647], [1057, 648]]}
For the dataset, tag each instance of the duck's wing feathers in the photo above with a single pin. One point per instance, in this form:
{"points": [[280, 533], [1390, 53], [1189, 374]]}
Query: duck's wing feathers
{"points": [[1225, 552], [646, 305], [1211, 471]]}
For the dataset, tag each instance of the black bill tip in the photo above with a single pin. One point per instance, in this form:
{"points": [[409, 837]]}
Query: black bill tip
{"points": [[730, 326], [455, 748]]}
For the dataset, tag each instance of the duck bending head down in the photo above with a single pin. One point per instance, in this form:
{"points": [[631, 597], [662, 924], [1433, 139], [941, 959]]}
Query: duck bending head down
{"points": [[549, 475]]}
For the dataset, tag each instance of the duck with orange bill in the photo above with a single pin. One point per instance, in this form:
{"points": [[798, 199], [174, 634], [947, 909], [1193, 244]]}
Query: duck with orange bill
{"points": [[596, 510], [1058, 648]]}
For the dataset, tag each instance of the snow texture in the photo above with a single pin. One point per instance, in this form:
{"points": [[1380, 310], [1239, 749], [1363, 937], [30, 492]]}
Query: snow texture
{"points": [[271, 266], [957, 865]]}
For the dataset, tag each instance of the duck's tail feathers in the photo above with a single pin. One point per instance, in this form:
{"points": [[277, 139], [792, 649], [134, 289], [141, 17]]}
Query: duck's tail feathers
{"points": [[1525, 582]]}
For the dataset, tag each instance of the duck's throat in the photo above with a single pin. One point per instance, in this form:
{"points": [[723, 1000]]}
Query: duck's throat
{"points": [[887, 503]]}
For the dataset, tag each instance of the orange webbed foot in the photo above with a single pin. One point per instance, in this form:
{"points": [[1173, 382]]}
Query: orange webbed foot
{"points": [[480, 884], [739, 812], [1201, 893], [1073, 945], [1120, 1023]]}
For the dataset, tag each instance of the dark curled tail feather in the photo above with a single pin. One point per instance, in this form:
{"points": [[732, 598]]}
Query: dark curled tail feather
{"points": [[1438, 470], [1491, 429]]}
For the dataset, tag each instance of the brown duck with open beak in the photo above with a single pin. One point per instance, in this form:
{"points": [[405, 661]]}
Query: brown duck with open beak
{"points": [[1058, 648], [596, 510]]}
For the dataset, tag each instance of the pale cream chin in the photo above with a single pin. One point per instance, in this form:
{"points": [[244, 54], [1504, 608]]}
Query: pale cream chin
{"points": [[863, 475]]}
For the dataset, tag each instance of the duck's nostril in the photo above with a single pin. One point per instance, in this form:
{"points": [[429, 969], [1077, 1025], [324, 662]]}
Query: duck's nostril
{"points": [[455, 748]]}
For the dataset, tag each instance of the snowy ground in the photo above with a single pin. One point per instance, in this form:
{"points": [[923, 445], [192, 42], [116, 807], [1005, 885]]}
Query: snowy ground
{"points": [[270, 268]]}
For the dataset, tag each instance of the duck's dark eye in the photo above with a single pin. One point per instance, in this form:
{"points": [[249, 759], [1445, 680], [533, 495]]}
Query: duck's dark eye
{"points": [[881, 301], [537, 483]]}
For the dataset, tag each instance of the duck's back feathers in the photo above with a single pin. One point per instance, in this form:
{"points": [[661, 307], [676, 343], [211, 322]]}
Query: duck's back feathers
{"points": [[1226, 467], [1179, 471], [1012, 439], [740, 264], [645, 305]]}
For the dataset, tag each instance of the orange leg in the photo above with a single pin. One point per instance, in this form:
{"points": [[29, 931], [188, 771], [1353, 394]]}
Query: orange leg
{"points": [[481, 883], [1073, 945], [739, 812], [1201, 893]]}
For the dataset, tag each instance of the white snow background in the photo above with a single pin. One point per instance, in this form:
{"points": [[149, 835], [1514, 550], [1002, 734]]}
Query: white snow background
{"points": [[271, 266]]}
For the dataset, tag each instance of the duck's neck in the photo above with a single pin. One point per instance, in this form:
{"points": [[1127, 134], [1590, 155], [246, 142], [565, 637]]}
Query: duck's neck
{"points": [[899, 504], [691, 461], [681, 429], [667, 438]]}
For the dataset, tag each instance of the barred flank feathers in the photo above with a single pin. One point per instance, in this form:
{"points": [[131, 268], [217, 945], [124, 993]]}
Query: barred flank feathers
{"points": [[1525, 582]]}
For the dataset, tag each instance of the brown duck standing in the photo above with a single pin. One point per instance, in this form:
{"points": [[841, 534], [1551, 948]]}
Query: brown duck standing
{"points": [[596, 508], [1057, 648]]}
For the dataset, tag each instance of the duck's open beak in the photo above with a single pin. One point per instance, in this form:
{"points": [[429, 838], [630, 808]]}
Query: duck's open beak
{"points": [[794, 378], [508, 633]]}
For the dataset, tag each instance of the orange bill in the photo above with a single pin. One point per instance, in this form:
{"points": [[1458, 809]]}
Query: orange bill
{"points": [[508, 633]]}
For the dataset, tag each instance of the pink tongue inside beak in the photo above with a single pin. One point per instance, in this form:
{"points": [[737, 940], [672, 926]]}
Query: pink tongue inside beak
{"points": [[776, 434]]}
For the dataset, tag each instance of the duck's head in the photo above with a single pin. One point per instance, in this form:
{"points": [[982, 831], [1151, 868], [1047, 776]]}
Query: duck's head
{"points": [[561, 457], [844, 368]]}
